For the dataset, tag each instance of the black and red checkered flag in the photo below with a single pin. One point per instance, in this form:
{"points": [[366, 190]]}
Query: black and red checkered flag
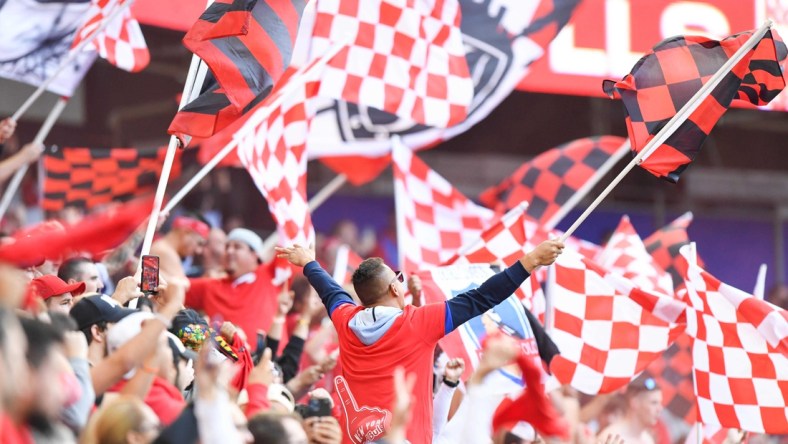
{"points": [[548, 181], [664, 245], [248, 45], [663, 82], [89, 177]]}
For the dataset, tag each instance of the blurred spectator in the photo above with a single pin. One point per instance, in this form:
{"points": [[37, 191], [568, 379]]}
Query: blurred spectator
{"points": [[247, 297], [122, 420], [643, 407], [185, 240], [81, 269], [212, 258], [56, 294], [778, 295], [28, 154], [275, 428]]}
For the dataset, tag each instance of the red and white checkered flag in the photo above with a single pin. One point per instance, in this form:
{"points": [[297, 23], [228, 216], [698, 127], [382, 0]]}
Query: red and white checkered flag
{"points": [[739, 349], [121, 42], [272, 147], [605, 338], [433, 219], [626, 255], [504, 243], [405, 57]]}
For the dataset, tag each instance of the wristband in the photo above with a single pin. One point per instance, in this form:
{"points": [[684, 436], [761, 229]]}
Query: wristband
{"points": [[151, 370], [451, 384]]}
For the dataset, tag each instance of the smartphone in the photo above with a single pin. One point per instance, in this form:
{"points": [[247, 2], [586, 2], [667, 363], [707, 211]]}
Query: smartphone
{"points": [[318, 407], [150, 274]]}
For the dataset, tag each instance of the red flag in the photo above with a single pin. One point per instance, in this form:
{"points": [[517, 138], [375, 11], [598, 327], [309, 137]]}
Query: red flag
{"points": [[248, 45], [663, 81], [664, 245], [93, 235]]}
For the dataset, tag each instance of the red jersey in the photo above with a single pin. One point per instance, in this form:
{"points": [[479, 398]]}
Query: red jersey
{"points": [[365, 386], [163, 398], [250, 302]]}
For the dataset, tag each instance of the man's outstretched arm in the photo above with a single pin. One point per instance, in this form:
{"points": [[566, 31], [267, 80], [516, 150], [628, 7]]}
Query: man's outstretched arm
{"points": [[331, 293], [497, 288]]}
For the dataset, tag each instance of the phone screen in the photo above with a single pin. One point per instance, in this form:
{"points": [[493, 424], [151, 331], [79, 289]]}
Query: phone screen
{"points": [[150, 274]]}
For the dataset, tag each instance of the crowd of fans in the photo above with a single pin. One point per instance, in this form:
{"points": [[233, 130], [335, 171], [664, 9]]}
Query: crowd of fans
{"points": [[222, 352]]}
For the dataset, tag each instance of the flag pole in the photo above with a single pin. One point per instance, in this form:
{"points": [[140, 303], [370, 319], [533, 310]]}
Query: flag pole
{"points": [[675, 121], [586, 188], [760, 282], [72, 55], [196, 76], [43, 132], [318, 199], [256, 118]]}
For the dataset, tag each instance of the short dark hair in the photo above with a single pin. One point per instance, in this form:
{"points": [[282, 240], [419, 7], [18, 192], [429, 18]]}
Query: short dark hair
{"points": [[267, 428], [366, 280], [41, 338], [88, 331], [62, 322], [70, 268]]}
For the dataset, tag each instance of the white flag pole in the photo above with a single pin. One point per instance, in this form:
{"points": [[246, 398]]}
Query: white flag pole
{"points": [[760, 282], [72, 55], [675, 121], [191, 89], [253, 121], [43, 132], [586, 188]]}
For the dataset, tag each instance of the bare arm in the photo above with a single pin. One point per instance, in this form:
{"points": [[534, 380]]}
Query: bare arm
{"points": [[29, 153]]}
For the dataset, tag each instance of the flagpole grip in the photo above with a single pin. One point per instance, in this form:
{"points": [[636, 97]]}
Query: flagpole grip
{"points": [[72, 55], [43, 132], [681, 116]]}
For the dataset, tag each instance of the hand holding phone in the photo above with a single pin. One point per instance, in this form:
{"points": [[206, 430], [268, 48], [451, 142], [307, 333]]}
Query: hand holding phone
{"points": [[149, 282]]}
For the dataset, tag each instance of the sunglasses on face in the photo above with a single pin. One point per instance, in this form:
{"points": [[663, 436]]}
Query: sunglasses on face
{"points": [[398, 276]]}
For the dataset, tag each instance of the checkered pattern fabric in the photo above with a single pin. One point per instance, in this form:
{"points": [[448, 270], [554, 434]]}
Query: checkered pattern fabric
{"points": [[121, 42], [91, 177], [626, 255], [673, 373], [433, 219], [740, 356], [605, 338], [272, 147], [663, 81], [504, 243], [664, 245], [407, 57], [547, 181]]}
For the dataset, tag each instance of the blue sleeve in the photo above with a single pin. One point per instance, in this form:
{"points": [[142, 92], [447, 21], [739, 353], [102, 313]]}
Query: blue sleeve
{"points": [[331, 293], [492, 292]]}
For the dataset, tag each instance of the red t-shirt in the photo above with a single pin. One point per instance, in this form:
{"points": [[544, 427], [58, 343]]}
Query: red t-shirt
{"points": [[365, 387], [10, 433], [249, 305]]}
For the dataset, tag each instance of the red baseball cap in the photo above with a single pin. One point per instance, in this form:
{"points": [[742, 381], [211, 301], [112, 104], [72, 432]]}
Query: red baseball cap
{"points": [[50, 285]]}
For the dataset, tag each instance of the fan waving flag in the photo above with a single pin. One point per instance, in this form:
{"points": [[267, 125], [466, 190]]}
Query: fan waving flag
{"points": [[89, 177], [740, 356], [663, 81], [605, 338], [121, 42], [433, 219], [248, 45], [405, 57], [547, 181]]}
